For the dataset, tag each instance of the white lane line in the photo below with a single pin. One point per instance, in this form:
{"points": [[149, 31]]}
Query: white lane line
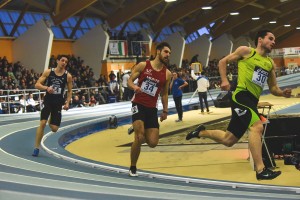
{"points": [[91, 188]]}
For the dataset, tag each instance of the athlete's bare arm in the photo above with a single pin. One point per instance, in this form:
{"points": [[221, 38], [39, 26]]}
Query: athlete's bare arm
{"points": [[134, 75], [273, 86], [69, 92], [239, 53], [41, 81], [164, 96]]}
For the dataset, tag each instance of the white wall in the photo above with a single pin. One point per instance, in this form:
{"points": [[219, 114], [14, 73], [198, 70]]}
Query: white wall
{"points": [[177, 43], [92, 48], [33, 48], [221, 47], [200, 46]]}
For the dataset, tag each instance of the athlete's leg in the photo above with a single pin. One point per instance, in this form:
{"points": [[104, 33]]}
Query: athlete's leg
{"points": [[139, 139], [255, 145], [152, 137], [226, 138], [40, 133]]}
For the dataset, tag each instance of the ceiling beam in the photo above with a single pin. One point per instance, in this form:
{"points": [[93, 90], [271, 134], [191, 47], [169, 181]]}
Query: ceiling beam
{"points": [[4, 2], [14, 29], [71, 7], [77, 25], [161, 13], [57, 7], [63, 31], [283, 30], [286, 35], [245, 14], [129, 11], [38, 5], [179, 11], [97, 11], [3, 28], [213, 15], [264, 19], [279, 22]]}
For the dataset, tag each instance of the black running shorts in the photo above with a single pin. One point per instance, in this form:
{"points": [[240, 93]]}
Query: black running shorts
{"points": [[244, 113], [54, 110], [146, 114]]}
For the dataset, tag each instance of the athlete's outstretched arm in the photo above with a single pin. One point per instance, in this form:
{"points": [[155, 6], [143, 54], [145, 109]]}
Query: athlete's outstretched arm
{"points": [[273, 86], [239, 53], [165, 96], [69, 92]]}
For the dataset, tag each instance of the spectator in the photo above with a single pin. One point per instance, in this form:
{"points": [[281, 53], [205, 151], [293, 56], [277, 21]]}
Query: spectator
{"points": [[76, 102], [93, 101], [176, 87], [202, 86], [126, 94], [31, 104]]}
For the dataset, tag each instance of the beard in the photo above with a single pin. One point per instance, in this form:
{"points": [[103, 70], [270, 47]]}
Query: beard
{"points": [[163, 60]]}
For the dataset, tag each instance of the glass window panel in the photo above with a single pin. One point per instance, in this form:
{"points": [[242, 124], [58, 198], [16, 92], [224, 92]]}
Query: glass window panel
{"points": [[47, 17], [85, 31], [72, 21], [188, 40], [78, 34], [8, 27], [1, 33], [22, 29], [83, 24], [146, 25], [29, 19], [65, 23], [90, 22], [161, 37], [37, 17], [68, 30], [57, 32], [203, 31], [118, 28], [4, 16], [14, 15], [137, 26], [166, 30], [98, 21], [131, 27], [22, 22]]}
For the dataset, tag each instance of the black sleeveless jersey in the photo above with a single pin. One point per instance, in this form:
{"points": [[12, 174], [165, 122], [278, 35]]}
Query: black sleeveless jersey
{"points": [[58, 83]]}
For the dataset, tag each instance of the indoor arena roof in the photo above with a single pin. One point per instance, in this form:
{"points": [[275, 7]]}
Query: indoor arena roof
{"points": [[235, 17]]}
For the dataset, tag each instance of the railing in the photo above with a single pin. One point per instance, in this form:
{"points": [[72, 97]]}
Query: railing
{"points": [[10, 101]]}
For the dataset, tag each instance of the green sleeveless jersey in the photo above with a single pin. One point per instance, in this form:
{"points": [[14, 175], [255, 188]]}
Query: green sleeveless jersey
{"points": [[253, 73]]}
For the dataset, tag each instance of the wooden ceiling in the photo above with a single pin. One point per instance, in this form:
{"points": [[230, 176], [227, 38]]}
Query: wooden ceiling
{"points": [[185, 13]]}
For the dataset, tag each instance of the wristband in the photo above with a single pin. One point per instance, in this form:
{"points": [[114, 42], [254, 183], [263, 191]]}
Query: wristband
{"points": [[165, 112]]}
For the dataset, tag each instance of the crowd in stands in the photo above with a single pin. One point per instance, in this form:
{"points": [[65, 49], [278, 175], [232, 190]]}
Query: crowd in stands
{"points": [[87, 89]]}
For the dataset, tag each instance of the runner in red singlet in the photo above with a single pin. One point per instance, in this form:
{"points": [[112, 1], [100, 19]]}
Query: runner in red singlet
{"points": [[153, 79]]}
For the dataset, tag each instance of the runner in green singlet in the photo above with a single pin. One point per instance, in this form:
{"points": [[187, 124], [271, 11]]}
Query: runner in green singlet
{"points": [[255, 69]]}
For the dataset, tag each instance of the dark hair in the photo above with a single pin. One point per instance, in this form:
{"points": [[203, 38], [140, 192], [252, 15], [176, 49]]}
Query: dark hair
{"points": [[261, 34], [60, 56], [161, 45]]}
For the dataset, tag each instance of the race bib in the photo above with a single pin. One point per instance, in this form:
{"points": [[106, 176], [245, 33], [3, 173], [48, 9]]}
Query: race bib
{"points": [[134, 109], [57, 90], [149, 87], [260, 76]]}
